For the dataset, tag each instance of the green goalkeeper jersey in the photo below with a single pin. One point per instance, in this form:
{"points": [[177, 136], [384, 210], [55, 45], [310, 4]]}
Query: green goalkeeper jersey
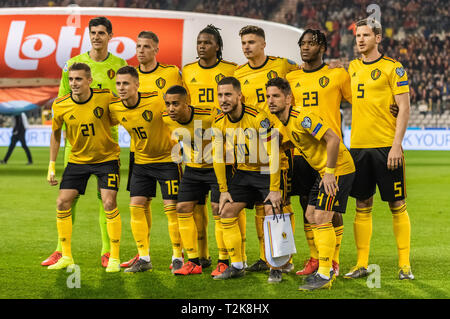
{"points": [[103, 73], [103, 77]]}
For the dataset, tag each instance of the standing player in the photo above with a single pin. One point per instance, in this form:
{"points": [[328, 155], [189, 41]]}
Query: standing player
{"points": [[200, 78], [321, 89], [253, 77], [250, 134], [153, 76], [325, 152], [376, 144], [94, 151], [104, 66], [141, 115], [192, 126]]}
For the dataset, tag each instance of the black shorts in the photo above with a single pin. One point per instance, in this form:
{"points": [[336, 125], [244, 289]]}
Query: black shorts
{"points": [[130, 170], [251, 187], [196, 184], [76, 176], [338, 203], [303, 177], [145, 176], [371, 170]]}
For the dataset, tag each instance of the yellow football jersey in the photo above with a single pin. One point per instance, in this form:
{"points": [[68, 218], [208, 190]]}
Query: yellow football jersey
{"points": [[253, 85], [305, 129], [201, 82], [253, 80], [195, 135], [150, 137], [322, 90], [162, 77], [88, 127], [251, 139], [374, 85]]}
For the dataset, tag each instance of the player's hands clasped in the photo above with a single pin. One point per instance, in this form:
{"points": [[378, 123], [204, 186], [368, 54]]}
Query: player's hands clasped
{"points": [[51, 174], [329, 184]]}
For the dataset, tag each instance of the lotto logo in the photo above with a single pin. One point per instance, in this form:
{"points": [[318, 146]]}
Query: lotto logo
{"points": [[32, 47]]}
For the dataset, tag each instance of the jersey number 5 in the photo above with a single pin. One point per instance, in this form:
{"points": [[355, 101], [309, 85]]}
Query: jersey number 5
{"points": [[360, 91]]}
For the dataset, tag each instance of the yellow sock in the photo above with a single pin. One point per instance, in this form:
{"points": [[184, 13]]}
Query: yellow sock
{"points": [[339, 231], [114, 227], [139, 228], [242, 222], [174, 233], [402, 232], [309, 234], [325, 239], [201, 222], [363, 232], [223, 254], [64, 225], [188, 232], [148, 218], [289, 210], [259, 223], [232, 238]]}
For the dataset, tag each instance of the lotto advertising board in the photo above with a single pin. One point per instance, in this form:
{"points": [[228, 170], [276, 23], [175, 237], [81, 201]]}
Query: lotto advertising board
{"points": [[36, 42]]}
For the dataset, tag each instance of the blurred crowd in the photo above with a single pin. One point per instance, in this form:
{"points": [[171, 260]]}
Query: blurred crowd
{"points": [[415, 32]]}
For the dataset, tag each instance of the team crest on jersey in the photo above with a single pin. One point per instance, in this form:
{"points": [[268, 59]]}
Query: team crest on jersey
{"points": [[265, 123], [111, 73], [272, 75], [219, 77], [306, 123], [375, 74], [147, 115], [323, 81], [98, 112], [160, 82], [400, 71]]}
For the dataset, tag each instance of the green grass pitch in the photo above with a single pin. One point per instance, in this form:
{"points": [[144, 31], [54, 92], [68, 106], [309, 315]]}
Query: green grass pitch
{"points": [[28, 235]]}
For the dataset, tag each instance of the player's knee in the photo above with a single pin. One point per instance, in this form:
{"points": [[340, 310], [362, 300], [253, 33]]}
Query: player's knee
{"points": [[63, 203], [323, 217], [228, 211], [364, 203], [185, 208], [109, 204]]}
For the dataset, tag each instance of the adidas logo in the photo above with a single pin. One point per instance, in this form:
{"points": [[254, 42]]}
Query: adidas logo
{"points": [[193, 80], [72, 117], [124, 119], [354, 74], [298, 85], [336, 203], [246, 82]]}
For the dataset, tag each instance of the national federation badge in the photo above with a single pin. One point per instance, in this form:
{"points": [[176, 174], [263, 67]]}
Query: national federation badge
{"points": [[160, 83], [306, 123], [375, 74], [147, 115], [111, 73], [98, 112], [323, 81], [272, 75]]}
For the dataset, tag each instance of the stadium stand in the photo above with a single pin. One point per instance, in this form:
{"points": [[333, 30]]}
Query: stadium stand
{"points": [[414, 34]]}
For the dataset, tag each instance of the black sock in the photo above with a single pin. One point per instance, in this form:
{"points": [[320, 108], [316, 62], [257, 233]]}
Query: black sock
{"points": [[225, 261], [195, 261]]}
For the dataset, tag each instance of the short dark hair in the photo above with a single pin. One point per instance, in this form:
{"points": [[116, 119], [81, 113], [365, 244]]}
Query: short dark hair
{"points": [[149, 35], [127, 69], [231, 80], [101, 21], [280, 83], [212, 29], [374, 25], [318, 36], [176, 89], [78, 66], [252, 29]]}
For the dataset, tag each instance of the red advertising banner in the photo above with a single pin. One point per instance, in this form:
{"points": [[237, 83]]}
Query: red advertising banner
{"points": [[37, 46]]}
